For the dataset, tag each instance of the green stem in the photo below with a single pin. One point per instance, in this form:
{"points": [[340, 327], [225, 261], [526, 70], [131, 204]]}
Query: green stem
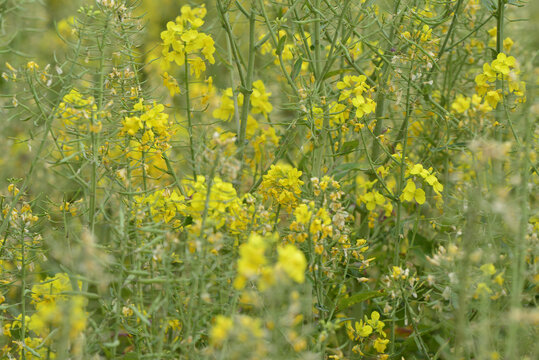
{"points": [[403, 137], [381, 96], [189, 121], [23, 292], [499, 26], [93, 135], [247, 87]]}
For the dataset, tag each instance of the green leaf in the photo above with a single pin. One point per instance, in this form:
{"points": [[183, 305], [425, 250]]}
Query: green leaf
{"points": [[280, 45], [349, 146], [296, 69], [519, 3], [357, 298], [489, 4]]}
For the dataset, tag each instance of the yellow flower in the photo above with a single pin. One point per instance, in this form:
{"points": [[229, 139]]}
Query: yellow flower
{"points": [[373, 198], [226, 108], [503, 64], [488, 269], [508, 44], [32, 65], [493, 98], [380, 344], [293, 262], [354, 88], [411, 193], [193, 16], [362, 329], [375, 322], [54, 309], [482, 289], [259, 99], [303, 214], [171, 84], [282, 184], [461, 104], [132, 125], [220, 330], [182, 39], [251, 260]]}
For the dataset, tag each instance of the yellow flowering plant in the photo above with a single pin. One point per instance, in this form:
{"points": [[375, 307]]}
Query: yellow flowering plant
{"points": [[268, 180]]}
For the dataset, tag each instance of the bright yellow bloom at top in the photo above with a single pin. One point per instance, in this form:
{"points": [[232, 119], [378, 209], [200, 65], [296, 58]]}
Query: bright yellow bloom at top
{"points": [[182, 39], [375, 322]]}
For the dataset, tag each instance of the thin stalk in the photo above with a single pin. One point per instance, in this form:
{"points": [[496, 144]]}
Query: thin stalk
{"points": [[381, 96], [23, 292], [247, 88], [189, 121], [93, 135], [403, 137]]}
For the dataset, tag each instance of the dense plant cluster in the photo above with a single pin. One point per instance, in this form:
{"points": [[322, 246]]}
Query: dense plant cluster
{"points": [[293, 179]]}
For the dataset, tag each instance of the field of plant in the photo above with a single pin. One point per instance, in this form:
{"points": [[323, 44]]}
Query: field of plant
{"points": [[269, 179]]}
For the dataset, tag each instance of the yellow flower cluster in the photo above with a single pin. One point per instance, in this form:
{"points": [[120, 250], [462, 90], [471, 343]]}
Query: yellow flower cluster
{"points": [[371, 197], [220, 205], [374, 201], [293, 262], [260, 99], [289, 50], [423, 35], [428, 176], [323, 222], [226, 108], [253, 263], [74, 108], [171, 84], [502, 68], [282, 184], [182, 41], [23, 215], [412, 193], [489, 281], [77, 114], [221, 196], [473, 105], [240, 329], [154, 123], [148, 132], [259, 102], [338, 115], [163, 205], [266, 139], [356, 89], [362, 330], [55, 309]]}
